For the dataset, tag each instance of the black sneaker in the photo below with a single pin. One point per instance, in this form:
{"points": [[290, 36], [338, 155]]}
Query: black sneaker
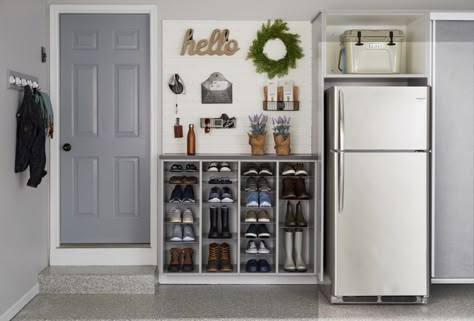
{"points": [[176, 168], [177, 195], [265, 170], [251, 169], [191, 168], [226, 196], [214, 195], [251, 231], [188, 194], [262, 231]]}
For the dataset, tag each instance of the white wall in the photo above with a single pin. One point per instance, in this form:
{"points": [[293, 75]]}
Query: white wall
{"points": [[24, 210], [247, 88]]}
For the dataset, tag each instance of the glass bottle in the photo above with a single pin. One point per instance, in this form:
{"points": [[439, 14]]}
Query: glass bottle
{"points": [[191, 140]]}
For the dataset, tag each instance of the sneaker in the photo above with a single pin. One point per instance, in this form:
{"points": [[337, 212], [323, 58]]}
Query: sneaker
{"points": [[188, 233], [263, 217], [176, 180], [262, 231], [176, 168], [251, 169], [251, 231], [264, 199], [251, 217], [263, 266], [176, 194], [224, 167], [251, 248], [188, 194], [299, 170], [251, 266], [191, 168], [288, 170], [251, 184], [265, 170], [263, 185], [214, 180], [226, 196], [177, 235], [262, 248], [188, 216], [213, 167], [175, 216], [252, 199], [214, 195]]}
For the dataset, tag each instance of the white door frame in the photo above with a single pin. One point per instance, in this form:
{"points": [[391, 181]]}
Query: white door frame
{"points": [[94, 255]]}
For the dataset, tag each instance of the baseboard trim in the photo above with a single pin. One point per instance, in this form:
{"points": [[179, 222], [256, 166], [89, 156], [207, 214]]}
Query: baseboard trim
{"points": [[20, 304]]}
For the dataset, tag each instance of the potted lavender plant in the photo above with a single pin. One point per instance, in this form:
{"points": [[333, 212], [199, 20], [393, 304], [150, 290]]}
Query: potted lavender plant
{"points": [[257, 134], [281, 135]]}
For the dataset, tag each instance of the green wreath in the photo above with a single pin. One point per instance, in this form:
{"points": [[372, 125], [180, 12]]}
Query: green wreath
{"points": [[263, 64]]}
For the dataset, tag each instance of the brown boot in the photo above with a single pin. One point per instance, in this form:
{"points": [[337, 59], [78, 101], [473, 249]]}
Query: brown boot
{"points": [[288, 188], [188, 265], [290, 219], [213, 262], [300, 220], [301, 189], [174, 265], [226, 265]]}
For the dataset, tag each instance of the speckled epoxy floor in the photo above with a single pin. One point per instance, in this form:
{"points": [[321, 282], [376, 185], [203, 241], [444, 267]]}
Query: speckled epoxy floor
{"points": [[243, 302]]}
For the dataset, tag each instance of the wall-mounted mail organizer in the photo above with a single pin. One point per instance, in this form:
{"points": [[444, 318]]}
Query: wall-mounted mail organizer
{"points": [[17, 80], [281, 104]]}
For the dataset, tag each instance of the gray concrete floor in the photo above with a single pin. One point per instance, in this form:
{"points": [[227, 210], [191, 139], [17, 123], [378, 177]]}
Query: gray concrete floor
{"points": [[243, 302]]}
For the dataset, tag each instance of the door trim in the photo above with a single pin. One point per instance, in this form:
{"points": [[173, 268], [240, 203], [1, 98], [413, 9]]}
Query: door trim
{"points": [[102, 255]]}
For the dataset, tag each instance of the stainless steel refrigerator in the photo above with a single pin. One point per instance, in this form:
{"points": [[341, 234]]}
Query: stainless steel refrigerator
{"points": [[377, 193]]}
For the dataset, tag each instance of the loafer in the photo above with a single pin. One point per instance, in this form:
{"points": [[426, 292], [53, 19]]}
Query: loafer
{"points": [[251, 266], [263, 266], [176, 168], [251, 217], [263, 216]]}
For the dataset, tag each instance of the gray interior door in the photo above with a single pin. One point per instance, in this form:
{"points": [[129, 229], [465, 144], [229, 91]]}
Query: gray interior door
{"points": [[104, 110], [454, 155]]}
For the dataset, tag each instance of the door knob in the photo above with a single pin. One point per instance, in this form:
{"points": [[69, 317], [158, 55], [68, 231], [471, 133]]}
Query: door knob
{"points": [[67, 147]]}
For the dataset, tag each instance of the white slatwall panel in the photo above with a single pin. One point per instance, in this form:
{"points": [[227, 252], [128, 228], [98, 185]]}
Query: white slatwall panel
{"points": [[247, 88]]}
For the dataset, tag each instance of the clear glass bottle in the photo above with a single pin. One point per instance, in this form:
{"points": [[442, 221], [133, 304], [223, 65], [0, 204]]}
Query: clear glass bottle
{"points": [[191, 140]]}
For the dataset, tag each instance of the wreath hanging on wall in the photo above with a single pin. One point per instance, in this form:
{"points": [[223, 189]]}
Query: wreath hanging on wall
{"points": [[274, 37]]}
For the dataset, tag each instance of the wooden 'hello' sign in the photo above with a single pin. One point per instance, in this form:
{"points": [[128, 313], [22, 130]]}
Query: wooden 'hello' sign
{"points": [[218, 44]]}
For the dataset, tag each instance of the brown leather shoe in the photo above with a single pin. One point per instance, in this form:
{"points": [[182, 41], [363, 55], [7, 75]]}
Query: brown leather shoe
{"points": [[251, 217], [213, 263], [188, 265], [174, 265], [288, 188], [176, 180], [263, 217], [290, 219], [189, 180], [301, 189], [226, 265], [300, 170], [300, 220]]}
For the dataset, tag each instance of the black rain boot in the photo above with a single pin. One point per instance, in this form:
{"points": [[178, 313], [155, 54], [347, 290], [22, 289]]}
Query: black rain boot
{"points": [[225, 223], [213, 232]]}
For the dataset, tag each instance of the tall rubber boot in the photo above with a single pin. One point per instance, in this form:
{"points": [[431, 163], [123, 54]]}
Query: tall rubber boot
{"points": [[300, 266], [213, 231], [289, 263], [225, 231]]}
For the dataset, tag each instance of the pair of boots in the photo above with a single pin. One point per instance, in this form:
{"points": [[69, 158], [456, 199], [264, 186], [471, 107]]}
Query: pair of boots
{"points": [[224, 230], [219, 258], [293, 219], [176, 264], [294, 189], [294, 256]]}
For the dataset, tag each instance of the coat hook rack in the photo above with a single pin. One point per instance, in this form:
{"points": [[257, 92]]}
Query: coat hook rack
{"points": [[16, 80]]}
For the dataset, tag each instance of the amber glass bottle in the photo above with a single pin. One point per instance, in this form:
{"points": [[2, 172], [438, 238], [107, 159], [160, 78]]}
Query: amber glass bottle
{"points": [[191, 140]]}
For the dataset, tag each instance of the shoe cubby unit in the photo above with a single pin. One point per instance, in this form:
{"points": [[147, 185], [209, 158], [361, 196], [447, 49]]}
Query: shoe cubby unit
{"points": [[240, 230], [413, 54]]}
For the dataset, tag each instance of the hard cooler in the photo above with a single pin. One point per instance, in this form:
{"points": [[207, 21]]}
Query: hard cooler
{"points": [[377, 51]]}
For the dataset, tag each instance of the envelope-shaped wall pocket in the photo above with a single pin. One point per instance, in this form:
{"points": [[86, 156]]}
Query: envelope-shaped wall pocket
{"points": [[216, 90]]}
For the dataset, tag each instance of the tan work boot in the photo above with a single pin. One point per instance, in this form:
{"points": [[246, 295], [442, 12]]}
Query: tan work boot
{"points": [[226, 264], [188, 265], [175, 264], [213, 262]]}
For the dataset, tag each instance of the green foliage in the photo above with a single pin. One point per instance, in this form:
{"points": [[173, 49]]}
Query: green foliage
{"points": [[277, 29]]}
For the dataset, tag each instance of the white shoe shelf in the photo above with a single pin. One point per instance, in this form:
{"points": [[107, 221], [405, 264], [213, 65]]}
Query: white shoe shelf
{"points": [[310, 249]]}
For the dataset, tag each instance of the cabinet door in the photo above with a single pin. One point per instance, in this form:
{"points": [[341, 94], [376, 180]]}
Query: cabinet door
{"points": [[453, 153]]}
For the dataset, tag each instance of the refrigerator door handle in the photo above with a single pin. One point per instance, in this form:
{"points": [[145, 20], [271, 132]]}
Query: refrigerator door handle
{"points": [[341, 119], [340, 185]]}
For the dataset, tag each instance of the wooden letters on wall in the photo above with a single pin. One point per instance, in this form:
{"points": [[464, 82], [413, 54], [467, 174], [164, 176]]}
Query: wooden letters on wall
{"points": [[218, 44]]}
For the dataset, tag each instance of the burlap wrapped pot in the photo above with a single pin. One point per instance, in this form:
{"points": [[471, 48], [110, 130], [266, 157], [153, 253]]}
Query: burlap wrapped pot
{"points": [[257, 144], [282, 146]]}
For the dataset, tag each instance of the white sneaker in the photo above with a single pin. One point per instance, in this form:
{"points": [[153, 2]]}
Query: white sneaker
{"points": [[251, 248], [262, 248], [188, 216], [177, 233], [188, 233], [175, 216]]}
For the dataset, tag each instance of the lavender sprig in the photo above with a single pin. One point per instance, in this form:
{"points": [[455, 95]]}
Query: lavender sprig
{"points": [[258, 124], [281, 126]]}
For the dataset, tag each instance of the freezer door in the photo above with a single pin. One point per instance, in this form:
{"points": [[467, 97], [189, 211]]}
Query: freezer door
{"points": [[378, 118], [380, 224]]}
